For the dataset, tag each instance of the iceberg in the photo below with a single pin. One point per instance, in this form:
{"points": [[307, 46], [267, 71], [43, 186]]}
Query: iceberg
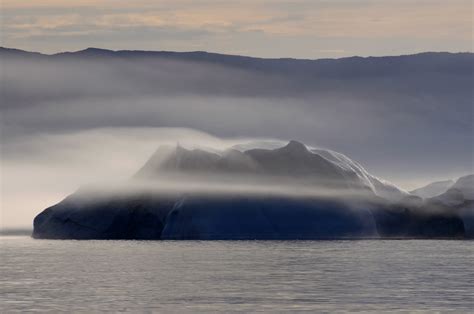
{"points": [[288, 191]]}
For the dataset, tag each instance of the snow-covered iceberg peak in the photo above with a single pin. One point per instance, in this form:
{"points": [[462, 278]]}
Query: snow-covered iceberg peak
{"points": [[288, 163]]}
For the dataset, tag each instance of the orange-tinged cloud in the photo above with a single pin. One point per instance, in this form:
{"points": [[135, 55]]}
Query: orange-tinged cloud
{"points": [[436, 23]]}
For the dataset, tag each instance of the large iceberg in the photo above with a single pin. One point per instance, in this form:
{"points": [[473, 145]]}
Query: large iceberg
{"points": [[249, 191]]}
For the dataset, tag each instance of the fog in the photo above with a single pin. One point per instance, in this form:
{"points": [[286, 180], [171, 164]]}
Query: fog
{"points": [[219, 186], [71, 120], [40, 170]]}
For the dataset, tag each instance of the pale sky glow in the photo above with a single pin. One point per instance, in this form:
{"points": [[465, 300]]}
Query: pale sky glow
{"points": [[299, 29]]}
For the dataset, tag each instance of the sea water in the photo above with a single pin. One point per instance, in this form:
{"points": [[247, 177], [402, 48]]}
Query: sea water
{"points": [[232, 276]]}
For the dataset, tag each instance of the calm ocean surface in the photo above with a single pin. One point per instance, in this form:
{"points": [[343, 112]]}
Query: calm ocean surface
{"points": [[200, 276]]}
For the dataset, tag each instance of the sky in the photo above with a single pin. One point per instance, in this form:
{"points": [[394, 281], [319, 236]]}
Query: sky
{"points": [[277, 28], [72, 122]]}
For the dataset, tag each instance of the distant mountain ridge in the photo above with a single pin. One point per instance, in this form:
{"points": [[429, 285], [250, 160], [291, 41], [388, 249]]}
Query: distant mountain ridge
{"points": [[92, 51], [339, 66]]}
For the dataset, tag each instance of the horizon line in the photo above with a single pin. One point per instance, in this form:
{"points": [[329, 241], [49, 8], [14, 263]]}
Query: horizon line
{"points": [[66, 52]]}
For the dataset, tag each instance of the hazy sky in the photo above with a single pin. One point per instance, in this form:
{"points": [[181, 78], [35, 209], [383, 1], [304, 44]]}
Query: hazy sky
{"points": [[276, 28]]}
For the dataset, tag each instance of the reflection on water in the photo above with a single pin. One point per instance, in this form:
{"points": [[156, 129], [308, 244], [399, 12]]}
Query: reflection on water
{"points": [[235, 275]]}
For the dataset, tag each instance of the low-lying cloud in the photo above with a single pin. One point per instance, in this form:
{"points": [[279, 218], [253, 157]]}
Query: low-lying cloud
{"points": [[40, 170], [69, 121]]}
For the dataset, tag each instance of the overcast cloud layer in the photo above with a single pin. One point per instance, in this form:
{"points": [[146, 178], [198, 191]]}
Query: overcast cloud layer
{"points": [[266, 28]]}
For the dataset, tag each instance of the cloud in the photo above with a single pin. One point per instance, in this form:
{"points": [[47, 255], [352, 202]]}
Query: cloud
{"points": [[252, 27], [408, 108]]}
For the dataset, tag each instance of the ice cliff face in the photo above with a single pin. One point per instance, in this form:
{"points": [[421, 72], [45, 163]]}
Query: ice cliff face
{"points": [[231, 217]]}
